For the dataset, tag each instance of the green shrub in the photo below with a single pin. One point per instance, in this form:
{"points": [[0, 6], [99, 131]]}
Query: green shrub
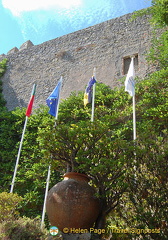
{"points": [[8, 206], [22, 229]]}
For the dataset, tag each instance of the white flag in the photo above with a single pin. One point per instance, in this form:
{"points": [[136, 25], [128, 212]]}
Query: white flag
{"points": [[129, 82]]}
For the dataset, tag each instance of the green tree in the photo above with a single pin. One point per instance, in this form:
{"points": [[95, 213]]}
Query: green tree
{"points": [[159, 12], [8, 136], [97, 149], [159, 20], [159, 51]]}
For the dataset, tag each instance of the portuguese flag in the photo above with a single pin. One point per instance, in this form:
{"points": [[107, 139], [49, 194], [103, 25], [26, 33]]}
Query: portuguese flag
{"points": [[30, 105]]}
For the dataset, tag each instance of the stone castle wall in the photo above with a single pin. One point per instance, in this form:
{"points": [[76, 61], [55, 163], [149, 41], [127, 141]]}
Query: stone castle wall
{"points": [[74, 56]]}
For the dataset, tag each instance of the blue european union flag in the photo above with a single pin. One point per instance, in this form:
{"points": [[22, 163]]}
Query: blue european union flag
{"points": [[53, 100]]}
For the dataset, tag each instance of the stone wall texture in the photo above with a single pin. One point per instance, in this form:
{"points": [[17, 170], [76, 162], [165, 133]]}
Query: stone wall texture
{"points": [[74, 57]]}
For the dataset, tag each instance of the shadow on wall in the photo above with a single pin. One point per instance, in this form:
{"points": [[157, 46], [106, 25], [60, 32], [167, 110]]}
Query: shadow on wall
{"points": [[10, 96]]}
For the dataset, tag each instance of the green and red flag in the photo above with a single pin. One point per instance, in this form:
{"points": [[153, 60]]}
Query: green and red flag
{"points": [[30, 105]]}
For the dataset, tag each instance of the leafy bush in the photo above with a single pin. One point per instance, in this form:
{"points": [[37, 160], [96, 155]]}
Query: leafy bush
{"points": [[8, 206], [159, 51], [22, 229]]}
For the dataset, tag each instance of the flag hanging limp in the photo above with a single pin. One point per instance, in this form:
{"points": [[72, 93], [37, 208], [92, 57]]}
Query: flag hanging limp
{"points": [[53, 99], [129, 82], [31, 101], [88, 91]]}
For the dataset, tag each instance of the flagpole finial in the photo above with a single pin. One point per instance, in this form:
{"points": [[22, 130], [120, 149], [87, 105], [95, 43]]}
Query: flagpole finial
{"points": [[34, 86], [132, 56], [94, 72]]}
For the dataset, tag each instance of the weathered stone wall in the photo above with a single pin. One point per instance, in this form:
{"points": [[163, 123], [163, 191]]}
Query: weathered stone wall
{"points": [[74, 56]]}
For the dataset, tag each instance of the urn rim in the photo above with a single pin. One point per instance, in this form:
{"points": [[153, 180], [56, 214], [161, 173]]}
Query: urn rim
{"points": [[76, 175]]}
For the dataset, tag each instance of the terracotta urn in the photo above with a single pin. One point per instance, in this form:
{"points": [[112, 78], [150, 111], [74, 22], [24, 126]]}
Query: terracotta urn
{"points": [[71, 203]]}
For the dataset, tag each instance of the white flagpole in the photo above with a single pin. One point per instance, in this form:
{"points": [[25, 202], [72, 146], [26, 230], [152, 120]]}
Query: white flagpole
{"points": [[18, 156], [134, 136], [134, 118], [56, 115], [45, 198], [21, 142], [49, 168], [134, 129], [130, 87], [93, 96], [133, 103]]}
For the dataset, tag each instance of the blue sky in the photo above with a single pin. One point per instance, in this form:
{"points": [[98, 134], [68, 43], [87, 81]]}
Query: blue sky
{"points": [[42, 20]]}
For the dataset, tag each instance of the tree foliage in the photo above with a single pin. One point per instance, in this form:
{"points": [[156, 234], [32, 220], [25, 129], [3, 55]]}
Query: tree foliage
{"points": [[159, 20], [159, 12], [8, 206], [159, 51], [2, 71]]}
